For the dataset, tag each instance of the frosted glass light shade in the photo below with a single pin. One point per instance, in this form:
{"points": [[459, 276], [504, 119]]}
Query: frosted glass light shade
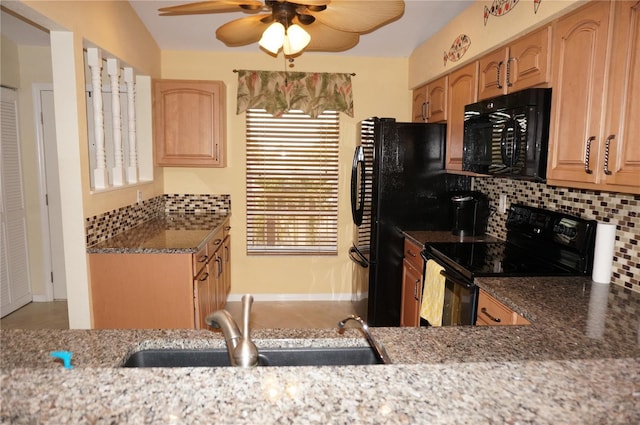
{"points": [[295, 40], [272, 37]]}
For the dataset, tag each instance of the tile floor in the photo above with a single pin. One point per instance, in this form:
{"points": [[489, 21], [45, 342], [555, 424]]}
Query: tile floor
{"points": [[269, 315]]}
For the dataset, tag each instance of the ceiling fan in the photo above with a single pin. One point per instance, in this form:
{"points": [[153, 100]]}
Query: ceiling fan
{"points": [[294, 26]]}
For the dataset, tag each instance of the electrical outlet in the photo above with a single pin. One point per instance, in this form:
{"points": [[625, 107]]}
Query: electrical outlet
{"points": [[139, 196], [502, 205]]}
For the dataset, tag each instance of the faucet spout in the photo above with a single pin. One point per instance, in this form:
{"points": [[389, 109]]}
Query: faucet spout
{"points": [[221, 319], [381, 353], [242, 351]]}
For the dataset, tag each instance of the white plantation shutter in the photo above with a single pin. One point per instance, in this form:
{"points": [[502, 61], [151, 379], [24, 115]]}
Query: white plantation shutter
{"points": [[14, 271], [292, 183]]}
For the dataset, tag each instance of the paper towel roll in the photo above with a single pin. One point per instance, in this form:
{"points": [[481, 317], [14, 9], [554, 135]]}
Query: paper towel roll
{"points": [[603, 254]]}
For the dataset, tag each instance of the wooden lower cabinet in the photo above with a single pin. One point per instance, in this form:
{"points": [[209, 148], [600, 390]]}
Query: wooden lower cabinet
{"points": [[492, 312], [142, 291], [160, 291], [412, 269]]}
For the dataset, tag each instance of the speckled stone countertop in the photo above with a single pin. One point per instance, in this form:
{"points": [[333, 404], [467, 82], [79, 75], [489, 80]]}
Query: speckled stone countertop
{"points": [[169, 233], [577, 363]]}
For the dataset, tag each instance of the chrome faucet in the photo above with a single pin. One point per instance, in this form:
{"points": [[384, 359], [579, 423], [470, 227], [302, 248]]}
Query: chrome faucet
{"points": [[242, 351], [381, 353]]}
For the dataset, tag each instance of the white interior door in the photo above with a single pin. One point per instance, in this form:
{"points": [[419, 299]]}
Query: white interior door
{"points": [[14, 269], [54, 208]]}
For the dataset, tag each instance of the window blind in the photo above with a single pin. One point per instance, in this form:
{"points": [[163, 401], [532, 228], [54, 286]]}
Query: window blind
{"points": [[292, 183]]}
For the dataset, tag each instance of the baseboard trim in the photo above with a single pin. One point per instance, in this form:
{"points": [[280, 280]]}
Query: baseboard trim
{"points": [[294, 297]]}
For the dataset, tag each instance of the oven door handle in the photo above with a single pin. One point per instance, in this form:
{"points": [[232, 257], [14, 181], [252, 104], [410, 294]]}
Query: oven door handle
{"points": [[456, 279]]}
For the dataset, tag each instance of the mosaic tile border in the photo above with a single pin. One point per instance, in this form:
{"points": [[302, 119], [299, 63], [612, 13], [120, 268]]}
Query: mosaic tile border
{"points": [[104, 226], [621, 209]]}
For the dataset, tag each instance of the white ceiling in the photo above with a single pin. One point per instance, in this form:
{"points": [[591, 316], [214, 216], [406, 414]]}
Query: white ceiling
{"points": [[422, 18]]}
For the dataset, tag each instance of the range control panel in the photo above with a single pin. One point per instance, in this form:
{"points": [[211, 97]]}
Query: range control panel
{"points": [[530, 226]]}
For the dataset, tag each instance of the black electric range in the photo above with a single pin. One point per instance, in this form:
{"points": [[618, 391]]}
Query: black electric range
{"points": [[539, 243]]}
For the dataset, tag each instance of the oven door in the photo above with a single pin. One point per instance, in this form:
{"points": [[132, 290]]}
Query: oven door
{"points": [[460, 297], [460, 300]]}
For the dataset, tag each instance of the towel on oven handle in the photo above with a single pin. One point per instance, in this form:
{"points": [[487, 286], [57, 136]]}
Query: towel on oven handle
{"points": [[433, 294]]}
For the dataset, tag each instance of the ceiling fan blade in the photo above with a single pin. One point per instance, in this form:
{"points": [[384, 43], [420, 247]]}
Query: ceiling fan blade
{"points": [[358, 16], [327, 39], [243, 31], [214, 6]]}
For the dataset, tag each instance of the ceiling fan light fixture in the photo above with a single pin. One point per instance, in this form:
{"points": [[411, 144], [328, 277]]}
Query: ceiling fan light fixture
{"points": [[272, 38], [295, 40]]}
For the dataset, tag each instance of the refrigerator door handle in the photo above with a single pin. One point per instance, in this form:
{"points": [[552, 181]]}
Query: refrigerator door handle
{"points": [[357, 190], [357, 257]]}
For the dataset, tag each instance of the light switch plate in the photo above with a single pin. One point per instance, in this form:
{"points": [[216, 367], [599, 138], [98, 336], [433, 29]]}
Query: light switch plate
{"points": [[502, 205]]}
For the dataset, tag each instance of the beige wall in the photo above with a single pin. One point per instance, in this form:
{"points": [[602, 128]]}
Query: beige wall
{"points": [[379, 88], [114, 27], [426, 61], [10, 75]]}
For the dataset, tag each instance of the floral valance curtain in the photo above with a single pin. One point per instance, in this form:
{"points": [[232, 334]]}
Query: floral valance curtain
{"points": [[278, 92]]}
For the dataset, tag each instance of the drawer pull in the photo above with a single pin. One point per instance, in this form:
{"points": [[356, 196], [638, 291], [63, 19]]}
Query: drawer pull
{"points": [[484, 311], [411, 253], [606, 154], [416, 290], [217, 241], [205, 277], [587, 154], [203, 259]]}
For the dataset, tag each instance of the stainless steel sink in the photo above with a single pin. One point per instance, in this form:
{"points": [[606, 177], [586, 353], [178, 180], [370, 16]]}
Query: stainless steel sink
{"points": [[316, 356]]}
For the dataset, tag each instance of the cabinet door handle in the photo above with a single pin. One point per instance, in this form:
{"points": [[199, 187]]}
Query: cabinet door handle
{"points": [[587, 153], [204, 277], [219, 261], [484, 311], [498, 85], [425, 107], [416, 290], [217, 241], [509, 83], [606, 154], [203, 259]]}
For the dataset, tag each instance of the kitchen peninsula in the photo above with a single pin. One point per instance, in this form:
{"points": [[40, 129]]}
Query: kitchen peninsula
{"points": [[578, 362]]}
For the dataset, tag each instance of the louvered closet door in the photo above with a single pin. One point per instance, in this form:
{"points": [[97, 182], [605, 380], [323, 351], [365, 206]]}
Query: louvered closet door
{"points": [[14, 274]]}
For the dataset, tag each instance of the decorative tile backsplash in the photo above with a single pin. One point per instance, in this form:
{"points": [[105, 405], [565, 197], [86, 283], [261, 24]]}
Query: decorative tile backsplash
{"points": [[621, 209], [104, 226]]}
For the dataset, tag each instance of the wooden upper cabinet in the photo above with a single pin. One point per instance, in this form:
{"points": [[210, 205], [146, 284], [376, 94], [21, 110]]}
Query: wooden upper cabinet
{"points": [[621, 162], [584, 150], [430, 101], [419, 108], [520, 65], [437, 100], [189, 123], [462, 90]]}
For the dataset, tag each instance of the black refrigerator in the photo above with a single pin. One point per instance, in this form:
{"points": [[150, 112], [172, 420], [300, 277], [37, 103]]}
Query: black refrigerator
{"points": [[398, 183]]}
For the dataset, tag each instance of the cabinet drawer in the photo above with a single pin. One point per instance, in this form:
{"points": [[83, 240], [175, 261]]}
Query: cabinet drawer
{"points": [[412, 255], [492, 312], [200, 259], [215, 242]]}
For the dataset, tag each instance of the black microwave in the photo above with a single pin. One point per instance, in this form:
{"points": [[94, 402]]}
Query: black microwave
{"points": [[508, 135]]}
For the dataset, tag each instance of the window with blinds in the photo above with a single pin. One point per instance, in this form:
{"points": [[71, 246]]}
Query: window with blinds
{"points": [[292, 183]]}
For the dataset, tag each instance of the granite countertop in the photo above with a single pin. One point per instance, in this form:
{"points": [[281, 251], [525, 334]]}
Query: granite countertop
{"points": [[578, 362], [168, 233]]}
